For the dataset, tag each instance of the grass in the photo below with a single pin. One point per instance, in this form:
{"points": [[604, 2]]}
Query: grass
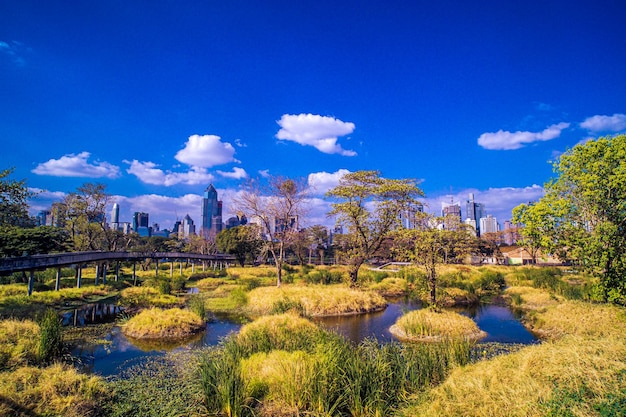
{"points": [[57, 390], [432, 325], [285, 365], [316, 300], [580, 370], [20, 343], [147, 297], [156, 323]]}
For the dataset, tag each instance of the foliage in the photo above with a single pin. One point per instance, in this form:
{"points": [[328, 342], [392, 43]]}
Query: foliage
{"points": [[20, 343], [428, 246], [285, 365], [585, 212], [17, 241], [146, 297], [196, 304], [369, 205], [83, 214], [13, 201], [51, 336], [242, 241], [57, 390], [277, 208], [156, 323]]}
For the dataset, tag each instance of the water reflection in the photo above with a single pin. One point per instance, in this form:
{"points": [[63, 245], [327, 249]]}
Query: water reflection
{"points": [[91, 314]]}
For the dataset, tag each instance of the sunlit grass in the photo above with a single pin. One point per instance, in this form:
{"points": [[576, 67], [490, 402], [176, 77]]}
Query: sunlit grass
{"points": [[156, 323], [579, 371], [391, 287], [19, 343], [432, 325], [147, 297], [315, 300], [57, 390]]}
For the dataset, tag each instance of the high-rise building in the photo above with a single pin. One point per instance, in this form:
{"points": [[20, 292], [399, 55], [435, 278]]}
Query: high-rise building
{"points": [[409, 218], [140, 220], [475, 211], [187, 228], [115, 217], [211, 212], [451, 209], [44, 218], [488, 224]]}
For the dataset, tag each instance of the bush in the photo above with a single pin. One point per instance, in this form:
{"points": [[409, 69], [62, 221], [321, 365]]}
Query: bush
{"points": [[51, 337], [196, 305]]}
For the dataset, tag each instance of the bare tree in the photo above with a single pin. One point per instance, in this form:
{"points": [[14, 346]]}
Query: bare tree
{"points": [[278, 208]]}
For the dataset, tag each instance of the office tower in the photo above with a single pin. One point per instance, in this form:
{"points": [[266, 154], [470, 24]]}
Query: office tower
{"points": [[140, 220], [475, 211], [211, 212], [187, 228], [115, 217], [451, 209], [488, 224], [44, 218], [410, 217]]}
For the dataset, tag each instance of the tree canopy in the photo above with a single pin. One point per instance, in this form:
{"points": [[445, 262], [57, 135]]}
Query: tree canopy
{"points": [[13, 201], [369, 207], [584, 209]]}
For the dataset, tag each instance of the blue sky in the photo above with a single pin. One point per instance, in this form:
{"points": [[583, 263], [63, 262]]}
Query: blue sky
{"points": [[158, 99]]}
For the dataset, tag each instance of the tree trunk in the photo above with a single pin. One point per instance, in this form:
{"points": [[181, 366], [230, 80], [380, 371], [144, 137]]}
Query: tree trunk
{"points": [[354, 273]]}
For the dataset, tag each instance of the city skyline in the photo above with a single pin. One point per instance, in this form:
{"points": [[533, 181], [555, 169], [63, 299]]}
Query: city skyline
{"points": [[158, 100]]}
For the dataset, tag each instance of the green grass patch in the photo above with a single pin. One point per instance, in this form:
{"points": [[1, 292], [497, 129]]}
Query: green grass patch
{"points": [[155, 323]]}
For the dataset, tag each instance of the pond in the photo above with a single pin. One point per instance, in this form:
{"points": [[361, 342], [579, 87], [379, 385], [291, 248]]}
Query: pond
{"points": [[118, 353]]}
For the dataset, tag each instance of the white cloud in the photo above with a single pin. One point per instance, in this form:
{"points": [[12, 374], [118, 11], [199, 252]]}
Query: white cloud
{"points": [[161, 209], [237, 173], [321, 182], [265, 173], [14, 51], [149, 173], [321, 132], [206, 151], [615, 123], [72, 165], [505, 140]]}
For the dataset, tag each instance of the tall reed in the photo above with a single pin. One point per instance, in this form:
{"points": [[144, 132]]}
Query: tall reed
{"points": [[51, 337]]}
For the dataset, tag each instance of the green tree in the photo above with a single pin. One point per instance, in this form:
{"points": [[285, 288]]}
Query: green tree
{"points": [[278, 209], [586, 203], [13, 201], [368, 206], [242, 241], [17, 241], [539, 221], [429, 245], [83, 214]]}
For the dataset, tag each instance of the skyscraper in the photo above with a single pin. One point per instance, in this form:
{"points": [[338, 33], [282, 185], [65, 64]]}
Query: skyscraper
{"points": [[475, 211], [140, 220], [211, 212], [115, 217]]}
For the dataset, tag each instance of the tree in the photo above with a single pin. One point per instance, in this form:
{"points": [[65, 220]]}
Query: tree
{"points": [[17, 241], [429, 245], [242, 241], [319, 240], [83, 214], [369, 207], [278, 209], [588, 202], [13, 201], [539, 222]]}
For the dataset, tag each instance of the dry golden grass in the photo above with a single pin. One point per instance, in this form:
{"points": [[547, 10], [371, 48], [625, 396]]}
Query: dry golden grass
{"points": [[315, 300], [57, 390], [579, 371], [521, 383], [430, 325], [391, 287], [19, 342], [155, 323], [264, 271]]}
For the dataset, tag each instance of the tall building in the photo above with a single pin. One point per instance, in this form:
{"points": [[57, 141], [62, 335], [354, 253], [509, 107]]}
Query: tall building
{"points": [[44, 218], [115, 217], [409, 218], [211, 212], [488, 224], [187, 228], [475, 211], [451, 209], [140, 220]]}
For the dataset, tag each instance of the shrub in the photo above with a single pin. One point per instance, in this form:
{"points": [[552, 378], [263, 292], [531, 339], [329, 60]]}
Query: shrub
{"points": [[51, 337], [196, 305], [20, 343]]}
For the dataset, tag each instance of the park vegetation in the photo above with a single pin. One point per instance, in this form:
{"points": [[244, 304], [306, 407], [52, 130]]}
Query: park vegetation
{"points": [[282, 363]]}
